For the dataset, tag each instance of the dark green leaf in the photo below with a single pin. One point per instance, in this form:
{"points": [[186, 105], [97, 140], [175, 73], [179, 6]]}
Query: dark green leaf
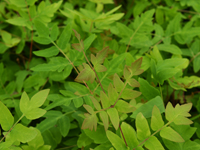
{"points": [[147, 90], [49, 52], [146, 109]]}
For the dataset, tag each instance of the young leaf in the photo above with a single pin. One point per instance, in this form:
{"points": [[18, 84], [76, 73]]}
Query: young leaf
{"points": [[156, 119], [153, 144], [77, 35], [126, 72], [124, 107], [96, 103], [135, 67], [114, 117], [101, 55], [104, 100], [112, 94], [104, 118], [129, 135], [89, 109], [90, 122], [134, 83], [142, 127], [86, 74], [178, 114], [170, 134], [130, 94], [100, 68], [116, 141], [6, 118], [77, 47]]}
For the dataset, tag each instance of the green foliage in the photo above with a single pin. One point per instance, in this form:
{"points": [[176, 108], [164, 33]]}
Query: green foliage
{"points": [[99, 75]]}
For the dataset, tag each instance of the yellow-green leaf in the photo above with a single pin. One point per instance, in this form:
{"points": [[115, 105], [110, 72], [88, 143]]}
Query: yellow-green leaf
{"points": [[104, 118], [143, 131], [6, 118], [156, 119], [116, 141], [153, 144], [114, 117], [170, 134], [86, 74]]}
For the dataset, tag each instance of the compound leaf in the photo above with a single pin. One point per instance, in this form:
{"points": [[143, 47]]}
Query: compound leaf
{"points": [[90, 122], [86, 74], [178, 114]]}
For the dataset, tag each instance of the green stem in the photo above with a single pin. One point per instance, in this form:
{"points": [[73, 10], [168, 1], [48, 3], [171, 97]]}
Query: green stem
{"points": [[195, 117], [12, 128], [82, 48], [91, 26], [133, 36], [70, 63], [161, 91], [152, 135]]}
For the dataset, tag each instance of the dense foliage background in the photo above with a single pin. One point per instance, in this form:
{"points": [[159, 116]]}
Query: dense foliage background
{"points": [[99, 74]]}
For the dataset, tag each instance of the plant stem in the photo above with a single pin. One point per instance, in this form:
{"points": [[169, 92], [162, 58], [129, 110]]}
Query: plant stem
{"points": [[91, 26], [161, 91], [82, 48], [70, 63], [152, 135], [191, 12], [120, 93], [31, 46], [195, 117], [12, 128], [133, 36], [123, 135]]}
